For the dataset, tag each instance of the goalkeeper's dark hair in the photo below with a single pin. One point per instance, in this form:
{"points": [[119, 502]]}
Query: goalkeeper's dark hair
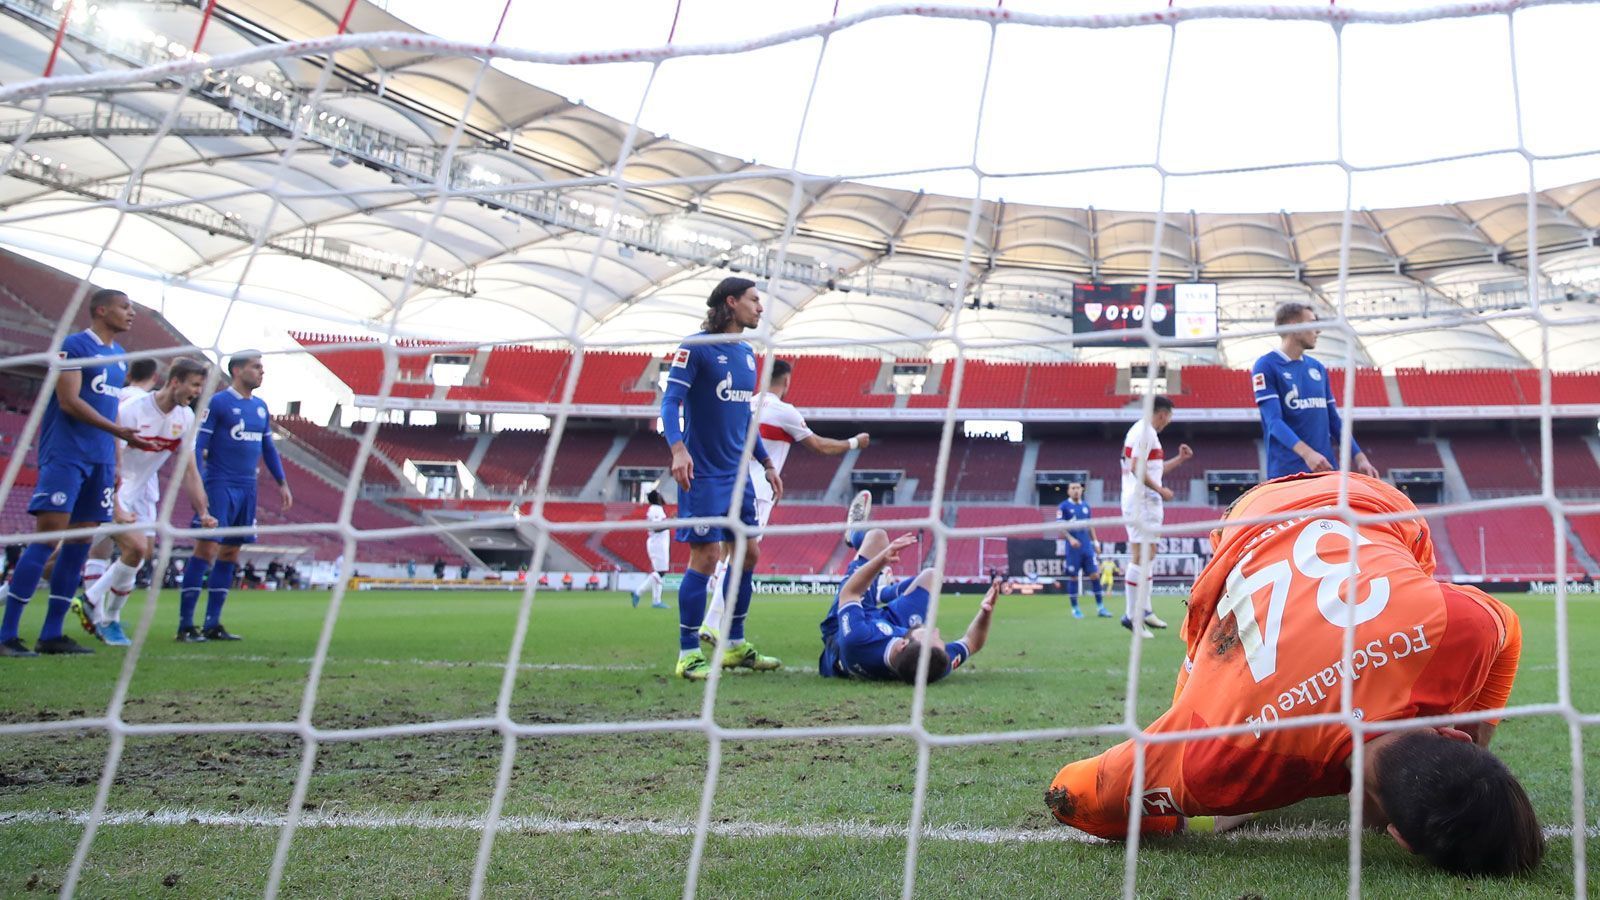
{"points": [[1458, 806], [1290, 312], [904, 663], [718, 313]]}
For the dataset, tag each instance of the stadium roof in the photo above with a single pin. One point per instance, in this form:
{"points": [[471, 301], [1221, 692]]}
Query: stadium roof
{"points": [[525, 257]]}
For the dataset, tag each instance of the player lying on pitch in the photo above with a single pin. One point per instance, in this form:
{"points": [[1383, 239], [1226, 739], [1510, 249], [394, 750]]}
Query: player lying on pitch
{"points": [[877, 634], [1265, 635]]}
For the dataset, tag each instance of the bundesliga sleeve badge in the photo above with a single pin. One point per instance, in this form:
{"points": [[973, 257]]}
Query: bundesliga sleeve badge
{"points": [[680, 359], [1258, 381]]}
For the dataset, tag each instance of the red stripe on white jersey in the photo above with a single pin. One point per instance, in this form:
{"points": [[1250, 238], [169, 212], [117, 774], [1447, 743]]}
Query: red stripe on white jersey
{"points": [[775, 433]]}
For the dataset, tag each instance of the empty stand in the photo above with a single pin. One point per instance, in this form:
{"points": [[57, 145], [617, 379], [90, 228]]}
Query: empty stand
{"points": [[1462, 387], [424, 442], [1231, 453], [984, 469], [35, 293], [807, 474], [335, 448], [1389, 451], [1100, 456], [361, 368], [1495, 464], [835, 382], [917, 457], [1215, 387], [1073, 386], [1370, 391], [1514, 543], [510, 459], [609, 378], [513, 457]]}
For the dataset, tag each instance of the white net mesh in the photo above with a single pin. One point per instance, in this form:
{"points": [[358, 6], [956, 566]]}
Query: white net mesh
{"points": [[437, 175]]}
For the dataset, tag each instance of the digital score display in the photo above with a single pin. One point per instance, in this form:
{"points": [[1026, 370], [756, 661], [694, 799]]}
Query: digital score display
{"points": [[1186, 312]]}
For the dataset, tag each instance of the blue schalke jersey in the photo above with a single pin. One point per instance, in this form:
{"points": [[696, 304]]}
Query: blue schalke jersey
{"points": [[864, 639], [1297, 404], [61, 437], [1069, 511], [719, 381], [233, 435]]}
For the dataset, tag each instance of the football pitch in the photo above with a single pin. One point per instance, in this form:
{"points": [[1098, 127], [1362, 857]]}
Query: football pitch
{"points": [[613, 815]]}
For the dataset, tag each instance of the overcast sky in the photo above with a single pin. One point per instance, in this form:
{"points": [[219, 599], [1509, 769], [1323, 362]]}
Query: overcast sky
{"points": [[902, 94]]}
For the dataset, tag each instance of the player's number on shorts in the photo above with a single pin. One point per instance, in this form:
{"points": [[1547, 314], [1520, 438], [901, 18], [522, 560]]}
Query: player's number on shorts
{"points": [[1260, 640], [105, 499]]}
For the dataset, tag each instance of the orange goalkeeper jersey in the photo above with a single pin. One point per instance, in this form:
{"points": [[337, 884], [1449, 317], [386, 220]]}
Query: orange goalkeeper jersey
{"points": [[1265, 635]]}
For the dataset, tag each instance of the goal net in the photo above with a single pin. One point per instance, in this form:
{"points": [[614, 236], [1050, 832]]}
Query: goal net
{"points": [[439, 185]]}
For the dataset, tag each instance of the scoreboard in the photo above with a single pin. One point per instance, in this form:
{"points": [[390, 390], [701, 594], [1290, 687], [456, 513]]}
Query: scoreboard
{"points": [[1115, 313]]}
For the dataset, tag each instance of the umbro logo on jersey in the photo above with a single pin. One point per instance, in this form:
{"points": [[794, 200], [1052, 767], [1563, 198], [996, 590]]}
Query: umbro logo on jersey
{"points": [[722, 359]]}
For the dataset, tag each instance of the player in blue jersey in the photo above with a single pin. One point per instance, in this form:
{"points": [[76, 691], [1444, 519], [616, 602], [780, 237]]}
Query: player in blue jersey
{"points": [[1299, 418], [709, 386], [878, 635], [1077, 550], [77, 472], [235, 438]]}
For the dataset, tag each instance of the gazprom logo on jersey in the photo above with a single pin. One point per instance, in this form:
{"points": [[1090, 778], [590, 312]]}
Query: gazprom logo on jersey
{"points": [[1293, 400], [99, 386], [726, 393], [238, 433]]}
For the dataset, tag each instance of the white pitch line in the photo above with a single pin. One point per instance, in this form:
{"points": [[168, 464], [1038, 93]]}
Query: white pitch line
{"points": [[260, 818], [569, 667]]}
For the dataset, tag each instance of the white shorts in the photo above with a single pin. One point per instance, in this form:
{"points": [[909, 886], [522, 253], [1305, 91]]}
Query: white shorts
{"points": [[144, 510], [1144, 519], [660, 554], [763, 512]]}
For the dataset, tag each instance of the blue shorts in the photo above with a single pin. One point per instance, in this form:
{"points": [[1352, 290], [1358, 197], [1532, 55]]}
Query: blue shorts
{"points": [[708, 497], [1080, 560], [82, 489], [909, 610], [233, 506]]}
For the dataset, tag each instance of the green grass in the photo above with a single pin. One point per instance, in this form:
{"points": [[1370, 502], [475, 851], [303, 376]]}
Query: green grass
{"points": [[420, 657]]}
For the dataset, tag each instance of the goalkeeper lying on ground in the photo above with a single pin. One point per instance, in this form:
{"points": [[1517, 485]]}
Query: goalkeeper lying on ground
{"points": [[1265, 632], [877, 634]]}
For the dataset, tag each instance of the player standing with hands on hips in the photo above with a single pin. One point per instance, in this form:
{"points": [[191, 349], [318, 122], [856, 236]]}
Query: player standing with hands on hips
{"points": [[709, 386], [1299, 418]]}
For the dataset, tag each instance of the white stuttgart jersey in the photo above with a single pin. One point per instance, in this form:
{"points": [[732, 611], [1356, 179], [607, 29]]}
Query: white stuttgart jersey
{"points": [[657, 543], [130, 392], [782, 426], [165, 430], [1141, 443]]}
